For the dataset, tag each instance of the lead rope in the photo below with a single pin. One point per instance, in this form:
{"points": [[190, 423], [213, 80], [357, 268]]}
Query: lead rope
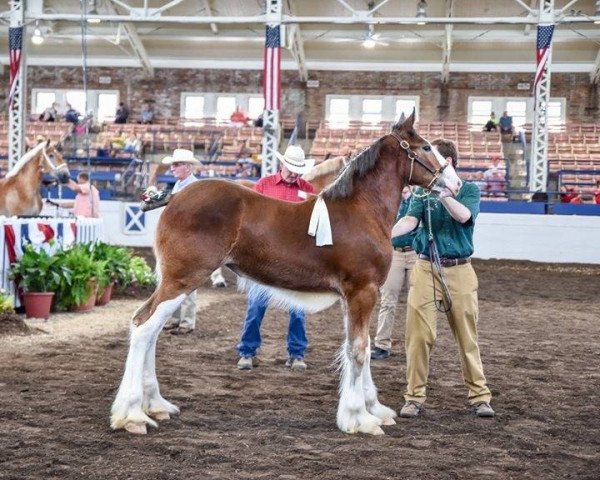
{"points": [[434, 260]]}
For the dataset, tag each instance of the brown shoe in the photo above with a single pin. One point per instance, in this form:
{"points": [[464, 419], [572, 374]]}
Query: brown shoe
{"points": [[181, 331], [411, 409]]}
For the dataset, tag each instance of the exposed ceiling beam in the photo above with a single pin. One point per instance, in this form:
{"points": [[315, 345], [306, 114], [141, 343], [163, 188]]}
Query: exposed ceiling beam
{"points": [[447, 43], [595, 74], [135, 41], [289, 19], [532, 5], [296, 45], [209, 12]]}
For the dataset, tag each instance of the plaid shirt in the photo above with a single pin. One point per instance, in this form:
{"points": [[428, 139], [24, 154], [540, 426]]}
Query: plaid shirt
{"points": [[274, 186]]}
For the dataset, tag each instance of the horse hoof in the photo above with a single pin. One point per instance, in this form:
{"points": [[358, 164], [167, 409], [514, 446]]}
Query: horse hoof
{"points": [[136, 428], [376, 431], [389, 421], [163, 416]]}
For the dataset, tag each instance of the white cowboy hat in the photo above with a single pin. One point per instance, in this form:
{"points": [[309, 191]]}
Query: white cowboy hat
{"points": [[295, 161], [181, 155]]}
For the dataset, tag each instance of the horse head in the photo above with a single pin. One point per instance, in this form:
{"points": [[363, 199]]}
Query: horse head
{"points": [[428, 168], [54, 163]]}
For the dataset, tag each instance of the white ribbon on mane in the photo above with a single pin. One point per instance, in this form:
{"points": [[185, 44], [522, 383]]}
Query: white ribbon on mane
{"points": [[319, 226]]}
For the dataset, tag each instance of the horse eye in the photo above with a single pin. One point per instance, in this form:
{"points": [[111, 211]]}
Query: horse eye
{"points": [[427, 148]]}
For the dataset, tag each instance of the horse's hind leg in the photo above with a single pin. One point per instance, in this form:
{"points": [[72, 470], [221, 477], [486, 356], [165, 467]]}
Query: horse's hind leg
{"points": [[352, 414], [127, 409]]}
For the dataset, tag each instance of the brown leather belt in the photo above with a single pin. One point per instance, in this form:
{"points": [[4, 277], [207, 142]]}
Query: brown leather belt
{"points": [[449, 262], [403, 249]]}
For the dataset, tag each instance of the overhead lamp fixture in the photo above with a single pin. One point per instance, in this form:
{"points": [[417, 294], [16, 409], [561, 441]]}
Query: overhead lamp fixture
{"points": [[37, 38], [421, 11], [597, 13], [369, 41], [93, 11]]}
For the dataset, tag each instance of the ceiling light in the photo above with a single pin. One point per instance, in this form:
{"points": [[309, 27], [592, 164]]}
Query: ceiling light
{"points": [[93, 11], [368, 43], [422, 11], [37, 38]]}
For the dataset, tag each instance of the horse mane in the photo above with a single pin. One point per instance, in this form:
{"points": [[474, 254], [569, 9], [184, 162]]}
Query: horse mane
{"points": [[328, 166], [343, 185], [25, 159]]}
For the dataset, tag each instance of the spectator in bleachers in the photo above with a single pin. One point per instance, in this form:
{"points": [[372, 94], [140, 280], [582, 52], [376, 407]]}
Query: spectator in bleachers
{"points": [[71, 115], [147, 114], [492, 123], [495, 178], [478, 180], [50, 114], [259, 121], [569, 195], [506, 123], [238, 118], [117, 142], [133, 144], [597, 193], [122, 114]]}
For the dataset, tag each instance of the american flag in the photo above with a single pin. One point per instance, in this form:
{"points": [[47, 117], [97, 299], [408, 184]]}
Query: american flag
{"points": [[271, 70], [544, 39], [15, 43]]}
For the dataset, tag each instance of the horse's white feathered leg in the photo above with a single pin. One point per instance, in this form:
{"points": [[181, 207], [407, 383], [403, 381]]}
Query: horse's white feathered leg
{"points": [[352, 414], [127, 411], [153, 403], [385, 414]]}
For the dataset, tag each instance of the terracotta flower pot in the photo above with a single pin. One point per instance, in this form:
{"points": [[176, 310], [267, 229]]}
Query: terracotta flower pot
{"points": [[89, 305], [104, 297], [37, 304]]}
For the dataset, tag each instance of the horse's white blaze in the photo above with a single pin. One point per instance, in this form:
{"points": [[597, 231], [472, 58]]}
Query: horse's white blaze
{"points": [[128, 404], [217, 277], [311, 302]]}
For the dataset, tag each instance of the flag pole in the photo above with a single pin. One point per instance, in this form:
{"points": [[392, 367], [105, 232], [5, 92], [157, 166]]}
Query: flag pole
{"points": [[18, 78]]}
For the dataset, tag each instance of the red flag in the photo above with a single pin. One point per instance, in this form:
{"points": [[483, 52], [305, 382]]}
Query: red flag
{"points": [[544, 40]]}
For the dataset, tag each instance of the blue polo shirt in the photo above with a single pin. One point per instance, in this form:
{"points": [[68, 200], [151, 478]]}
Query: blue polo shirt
{"points": [[453, 239]]}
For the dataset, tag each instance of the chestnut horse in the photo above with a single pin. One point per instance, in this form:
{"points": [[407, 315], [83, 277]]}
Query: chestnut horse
{"points": [[20, 188], [325, 172], [214, 223]]}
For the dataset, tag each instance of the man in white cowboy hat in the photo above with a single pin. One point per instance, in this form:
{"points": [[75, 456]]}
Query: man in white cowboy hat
{"points": [[283, 185], [183, 164]]}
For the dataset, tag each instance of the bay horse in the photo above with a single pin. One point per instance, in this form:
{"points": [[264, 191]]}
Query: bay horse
{"points": [[20, 188], [216, 223]]}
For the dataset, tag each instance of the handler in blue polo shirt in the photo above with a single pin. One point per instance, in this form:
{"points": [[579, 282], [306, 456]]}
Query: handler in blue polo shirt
{"points": [[403, 261], [452, 223]]}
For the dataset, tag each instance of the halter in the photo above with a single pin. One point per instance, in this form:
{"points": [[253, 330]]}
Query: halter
{"points": [[51, 164], [413, 157]]}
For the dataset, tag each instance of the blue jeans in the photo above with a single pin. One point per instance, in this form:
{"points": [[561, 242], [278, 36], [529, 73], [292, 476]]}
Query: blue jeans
{"points": [[250, 340]]}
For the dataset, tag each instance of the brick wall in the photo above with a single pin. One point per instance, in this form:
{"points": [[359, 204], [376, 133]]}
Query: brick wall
{"points": [[167, 85]]}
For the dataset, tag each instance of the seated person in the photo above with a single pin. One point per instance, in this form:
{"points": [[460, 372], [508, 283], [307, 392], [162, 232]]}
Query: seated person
{"points": [[492, 123], [597, 193], [146, 115], [71, 115], [133, 144], [122, 114], [569, 195], [118, 142], [50, 114], [477, 179], [506, 125], [238, 118]]}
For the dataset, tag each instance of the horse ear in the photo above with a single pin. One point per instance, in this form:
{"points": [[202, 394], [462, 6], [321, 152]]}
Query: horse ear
{"points": [[404, 123]]}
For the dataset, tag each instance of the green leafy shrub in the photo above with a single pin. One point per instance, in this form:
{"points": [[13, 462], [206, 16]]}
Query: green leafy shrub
{"points": [[38, 271], [6, 303], [84, 273], [141, 273], [116, 260]]}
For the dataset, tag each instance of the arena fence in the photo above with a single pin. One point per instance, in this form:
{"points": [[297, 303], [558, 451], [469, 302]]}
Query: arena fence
{"points": [[43, 232]]}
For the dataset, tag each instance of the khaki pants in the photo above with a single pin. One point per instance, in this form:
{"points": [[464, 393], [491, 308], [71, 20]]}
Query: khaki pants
{"points": [[402, 264], [421, 322], [185, 315]]}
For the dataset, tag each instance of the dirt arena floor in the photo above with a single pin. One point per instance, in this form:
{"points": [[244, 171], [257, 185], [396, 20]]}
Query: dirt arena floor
{"points": [[540, 342]]}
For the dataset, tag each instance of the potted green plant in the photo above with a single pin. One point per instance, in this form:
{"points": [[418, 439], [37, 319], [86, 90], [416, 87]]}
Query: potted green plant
{"points": [[115, 268], [78, 291], [38, 275]]}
